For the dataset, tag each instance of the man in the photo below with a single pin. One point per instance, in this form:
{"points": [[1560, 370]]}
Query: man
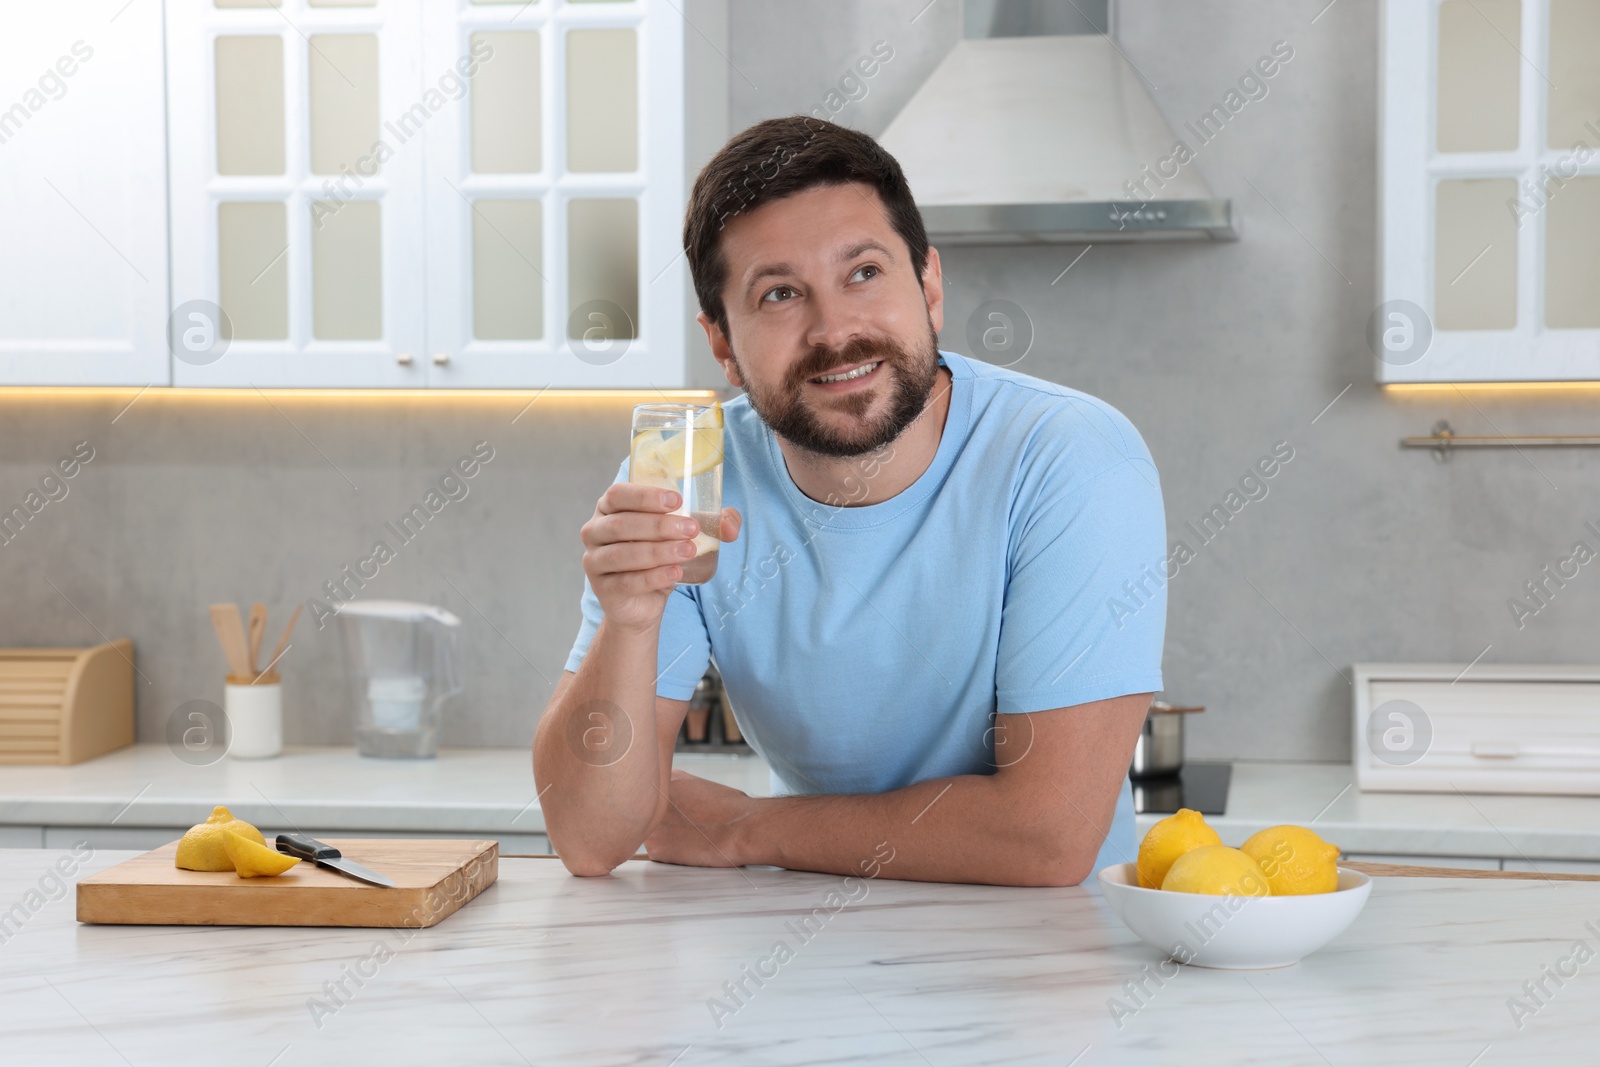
{"points": [[913, 610]]}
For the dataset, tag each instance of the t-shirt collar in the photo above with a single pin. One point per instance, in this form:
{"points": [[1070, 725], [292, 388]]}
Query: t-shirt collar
{"points": [[957, 425]]}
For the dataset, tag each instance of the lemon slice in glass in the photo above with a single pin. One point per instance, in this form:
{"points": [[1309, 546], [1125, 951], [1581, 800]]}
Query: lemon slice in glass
{"points": [[662, 457]]}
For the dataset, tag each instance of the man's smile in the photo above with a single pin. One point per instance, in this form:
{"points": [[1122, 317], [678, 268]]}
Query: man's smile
{"points": [[849, 377]]}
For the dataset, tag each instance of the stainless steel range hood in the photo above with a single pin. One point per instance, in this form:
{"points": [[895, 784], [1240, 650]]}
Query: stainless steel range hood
{"points": [[1039, 138]]}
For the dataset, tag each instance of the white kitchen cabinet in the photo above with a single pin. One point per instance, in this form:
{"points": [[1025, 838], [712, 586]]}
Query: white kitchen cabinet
{"points": [[554, 196], [287, 212], [83, 242], [389, 193], [1490, 192], [401, 193]]}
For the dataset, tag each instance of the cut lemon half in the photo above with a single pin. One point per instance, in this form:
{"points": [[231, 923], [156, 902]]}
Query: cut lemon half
{"points": [[202, 849]]}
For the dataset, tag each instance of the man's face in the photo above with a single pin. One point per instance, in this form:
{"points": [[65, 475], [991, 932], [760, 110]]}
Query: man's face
{"points": [[820, 284]]}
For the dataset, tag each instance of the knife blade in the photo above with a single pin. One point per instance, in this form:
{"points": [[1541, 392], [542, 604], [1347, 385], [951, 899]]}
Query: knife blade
{"points": [[325, 855]]}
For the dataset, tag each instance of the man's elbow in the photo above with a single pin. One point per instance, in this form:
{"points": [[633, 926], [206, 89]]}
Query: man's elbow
{"points": [[592, 862], [592, 856], [1070, 874], [1057, 876], [586, 866], [1062, 862]]}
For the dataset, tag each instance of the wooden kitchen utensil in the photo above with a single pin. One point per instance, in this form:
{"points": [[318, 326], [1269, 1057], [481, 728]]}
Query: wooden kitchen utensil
{"points": [[283, 642], [433, 879], [230, 631], [258, 630], [65, 705]]}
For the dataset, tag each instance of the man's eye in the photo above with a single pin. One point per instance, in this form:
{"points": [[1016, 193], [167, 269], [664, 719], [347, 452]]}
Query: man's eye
{"points": [[862, 270], [773, 295]]}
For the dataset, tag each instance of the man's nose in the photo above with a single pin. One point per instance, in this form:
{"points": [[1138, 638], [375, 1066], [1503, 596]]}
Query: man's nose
{"points": [[833, 322]]}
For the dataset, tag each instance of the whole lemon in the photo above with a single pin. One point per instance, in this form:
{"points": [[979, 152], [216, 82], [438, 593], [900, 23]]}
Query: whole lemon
{"points": [[1295, 860], [1216, 870], [1169, 839], [202, 848]]}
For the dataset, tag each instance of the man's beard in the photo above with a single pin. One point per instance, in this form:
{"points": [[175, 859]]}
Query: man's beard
{"points": [[787, 413]]}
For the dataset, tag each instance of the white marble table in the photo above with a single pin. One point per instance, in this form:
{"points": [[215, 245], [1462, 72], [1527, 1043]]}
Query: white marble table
{"points": [[544, 968]]}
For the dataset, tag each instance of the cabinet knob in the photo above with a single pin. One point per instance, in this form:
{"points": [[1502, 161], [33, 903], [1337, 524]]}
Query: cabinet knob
{"points": [[441, 358], [403, 358]]}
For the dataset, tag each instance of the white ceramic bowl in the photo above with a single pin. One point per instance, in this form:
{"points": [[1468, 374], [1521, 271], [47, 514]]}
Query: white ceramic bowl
{"points": [[1236, 933]]}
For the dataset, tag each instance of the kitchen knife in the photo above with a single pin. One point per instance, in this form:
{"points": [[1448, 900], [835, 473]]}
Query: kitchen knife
{"points": [[309, 848]]}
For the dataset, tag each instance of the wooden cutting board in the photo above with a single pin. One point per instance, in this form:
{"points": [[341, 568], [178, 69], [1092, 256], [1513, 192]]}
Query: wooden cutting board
{"points": [[432, 880]]}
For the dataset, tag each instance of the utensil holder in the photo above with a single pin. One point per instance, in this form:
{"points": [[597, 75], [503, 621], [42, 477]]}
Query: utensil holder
{"points": [[254, 707]]}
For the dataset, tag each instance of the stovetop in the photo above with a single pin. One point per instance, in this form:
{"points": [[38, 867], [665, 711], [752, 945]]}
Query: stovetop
{"points": [[1200, 785]]}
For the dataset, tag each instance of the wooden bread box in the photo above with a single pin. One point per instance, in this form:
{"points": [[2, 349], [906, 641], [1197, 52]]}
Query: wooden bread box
{"points": [[65, 705]]}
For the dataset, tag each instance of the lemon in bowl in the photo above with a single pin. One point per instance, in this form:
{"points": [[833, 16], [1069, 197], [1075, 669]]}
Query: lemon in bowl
{"points": [[1216, 870], [1169, 839], [1294, 860]]}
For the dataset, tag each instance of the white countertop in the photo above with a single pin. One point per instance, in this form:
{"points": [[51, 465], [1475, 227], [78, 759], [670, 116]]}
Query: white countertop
{"points": [[490, 791], [1323, 795], [550, 969], [465, 790]]}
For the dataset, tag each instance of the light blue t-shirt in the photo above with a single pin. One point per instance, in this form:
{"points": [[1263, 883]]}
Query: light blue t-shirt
{"points": [[867, 648]]}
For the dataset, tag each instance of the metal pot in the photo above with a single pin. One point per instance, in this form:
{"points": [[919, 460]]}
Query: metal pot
{"points": [[1159, 750]]}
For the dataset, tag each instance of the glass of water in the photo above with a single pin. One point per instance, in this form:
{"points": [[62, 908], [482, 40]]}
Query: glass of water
{"points": [[679, 446]]}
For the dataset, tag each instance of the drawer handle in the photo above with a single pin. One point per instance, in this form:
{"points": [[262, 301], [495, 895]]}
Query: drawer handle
{"points": [[1495, 749]]}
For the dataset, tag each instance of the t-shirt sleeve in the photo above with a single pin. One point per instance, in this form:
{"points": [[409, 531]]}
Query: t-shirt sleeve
{"points": [[1085, 611], [685, 649]]}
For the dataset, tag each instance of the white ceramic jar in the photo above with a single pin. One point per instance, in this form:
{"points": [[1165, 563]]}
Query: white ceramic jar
{"points": [[255, 716]]}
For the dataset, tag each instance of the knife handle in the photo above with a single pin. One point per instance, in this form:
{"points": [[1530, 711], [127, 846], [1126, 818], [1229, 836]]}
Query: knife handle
{"points": [[307, 848]]}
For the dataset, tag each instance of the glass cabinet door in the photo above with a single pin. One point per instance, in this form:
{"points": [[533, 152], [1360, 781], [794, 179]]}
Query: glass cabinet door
{"points": [[1491, 188], [555, 195], [296, 189]]}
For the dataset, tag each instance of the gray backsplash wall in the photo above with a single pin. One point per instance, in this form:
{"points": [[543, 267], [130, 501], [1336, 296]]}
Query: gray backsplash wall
{"points": [[188, 502], [1360, 551]]}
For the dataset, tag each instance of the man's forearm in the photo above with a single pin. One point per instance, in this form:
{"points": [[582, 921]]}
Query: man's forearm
{"points": [[596, 755], [960, 829]]}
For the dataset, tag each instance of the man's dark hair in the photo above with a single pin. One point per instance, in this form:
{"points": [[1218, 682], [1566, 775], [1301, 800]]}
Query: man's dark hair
{"points": [[778, 158]]}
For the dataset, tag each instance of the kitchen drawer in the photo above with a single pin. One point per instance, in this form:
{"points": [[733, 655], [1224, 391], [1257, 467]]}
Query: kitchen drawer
{"points": [[510, 844], [100, 838], [144, 838], [525, 845], [1553, 866], [1476, 863], [21, 837]]}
